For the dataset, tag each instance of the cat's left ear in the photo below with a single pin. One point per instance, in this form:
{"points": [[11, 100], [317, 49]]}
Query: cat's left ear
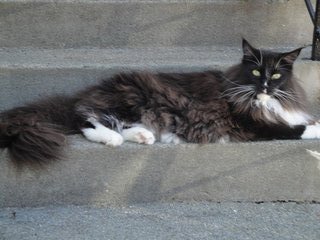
{"points": [[247, 49], [290, 57]]}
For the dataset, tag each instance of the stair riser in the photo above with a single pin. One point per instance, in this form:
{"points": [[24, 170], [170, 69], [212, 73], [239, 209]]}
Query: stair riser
{"points": [[38, 83], [94, 174], [66, 24]]}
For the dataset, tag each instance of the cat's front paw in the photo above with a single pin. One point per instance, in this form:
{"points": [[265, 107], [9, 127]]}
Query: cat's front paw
{"points": [[145, 137], [114, 140], [311, 132], [103, 135], [139, 135]]}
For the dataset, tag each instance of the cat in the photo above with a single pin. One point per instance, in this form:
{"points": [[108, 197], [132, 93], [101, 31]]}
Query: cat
{"points": [[258, 99]]}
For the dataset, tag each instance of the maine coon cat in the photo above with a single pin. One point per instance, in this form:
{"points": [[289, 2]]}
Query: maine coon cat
{"points": [[258, 99]]}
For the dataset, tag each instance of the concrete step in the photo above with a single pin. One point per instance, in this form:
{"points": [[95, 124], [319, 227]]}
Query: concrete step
{"points": [[96, 175], [224, 221], [136, 23], [42, 72]]}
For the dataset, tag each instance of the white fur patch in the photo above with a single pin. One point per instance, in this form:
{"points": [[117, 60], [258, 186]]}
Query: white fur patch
{"points": [[295, 117], [273, 109], [311, 132], [170, 138], [262, 97], [102, 134], [138, 135], [224, 139]]}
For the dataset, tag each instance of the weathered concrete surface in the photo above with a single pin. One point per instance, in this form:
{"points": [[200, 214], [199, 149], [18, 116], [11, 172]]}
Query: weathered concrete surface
{"points": [[98, 175], [225, 221], [75, 24], [309, 74], [43, 72]]}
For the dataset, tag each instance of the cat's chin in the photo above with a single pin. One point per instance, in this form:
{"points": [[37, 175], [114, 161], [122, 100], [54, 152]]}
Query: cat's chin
{"points": [[263, 97]]}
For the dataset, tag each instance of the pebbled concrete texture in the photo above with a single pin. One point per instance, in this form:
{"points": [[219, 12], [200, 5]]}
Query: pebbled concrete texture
{"points": [[104, 24], [93, 174], [225, 221]]}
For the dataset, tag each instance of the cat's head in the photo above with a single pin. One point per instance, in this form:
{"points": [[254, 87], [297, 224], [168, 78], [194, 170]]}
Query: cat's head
{"points": [[263, 83], [267, 71]]}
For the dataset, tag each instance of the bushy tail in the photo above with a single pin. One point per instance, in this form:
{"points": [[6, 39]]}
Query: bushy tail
{"points": [[31, 143], [34, 134]]}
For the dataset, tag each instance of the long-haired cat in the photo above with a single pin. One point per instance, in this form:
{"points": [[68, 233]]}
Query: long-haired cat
{"points": [[258, 99]]}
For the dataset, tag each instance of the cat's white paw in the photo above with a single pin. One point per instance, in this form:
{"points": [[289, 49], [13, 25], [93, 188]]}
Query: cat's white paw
{"points": [[170, 138], [311, 132], [103, 135], [114, 140], [145, 137], [138, 135]]}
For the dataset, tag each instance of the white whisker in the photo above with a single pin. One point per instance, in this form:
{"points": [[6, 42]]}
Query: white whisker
{"points": [[277, 65], [239, 88], [257, 60], [257, 63], [228, 80], [236, 91], [286, 96], [261, 59]]}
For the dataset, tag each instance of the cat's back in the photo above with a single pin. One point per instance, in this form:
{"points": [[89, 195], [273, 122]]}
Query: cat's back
{"points": [[195, 84], [204, 85]]}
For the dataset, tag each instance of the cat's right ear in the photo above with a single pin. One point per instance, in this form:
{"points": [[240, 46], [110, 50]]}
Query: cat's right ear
{"points": [[290, 57], [248, 50]]}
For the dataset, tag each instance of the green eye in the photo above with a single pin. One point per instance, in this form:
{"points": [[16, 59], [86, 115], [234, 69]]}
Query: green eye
{"points": [[256, 73], [276, 76]]}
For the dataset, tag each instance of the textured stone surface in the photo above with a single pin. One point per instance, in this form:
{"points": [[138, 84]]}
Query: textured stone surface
{"points": [[40, 72], [225, 221], [98, 175], [76, 24]]}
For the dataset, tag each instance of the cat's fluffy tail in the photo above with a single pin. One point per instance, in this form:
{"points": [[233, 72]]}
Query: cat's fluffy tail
{"points": [[30, 143], [35, 134]]}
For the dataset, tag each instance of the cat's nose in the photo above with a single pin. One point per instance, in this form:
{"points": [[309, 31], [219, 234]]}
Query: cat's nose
{"points": [[263, 90], [264, 87]]}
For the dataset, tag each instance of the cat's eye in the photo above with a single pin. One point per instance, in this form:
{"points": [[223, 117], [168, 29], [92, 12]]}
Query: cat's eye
{"points": [[256, 73], [276, 76]]}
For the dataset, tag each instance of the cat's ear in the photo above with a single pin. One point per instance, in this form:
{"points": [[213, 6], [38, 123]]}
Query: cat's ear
{"points": [[290, 57], [247, 49]]}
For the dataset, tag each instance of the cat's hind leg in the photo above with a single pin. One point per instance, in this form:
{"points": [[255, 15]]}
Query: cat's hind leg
{"points": [[102, 134], [168, 137], [139, 135]]}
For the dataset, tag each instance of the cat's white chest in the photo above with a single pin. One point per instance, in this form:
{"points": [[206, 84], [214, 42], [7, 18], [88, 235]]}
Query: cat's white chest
{"points": [[273, 110], [263, 98]]}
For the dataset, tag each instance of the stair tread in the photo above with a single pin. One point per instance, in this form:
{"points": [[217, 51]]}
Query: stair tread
{"points": [[126, 57], [95, 174], [158, 221]]}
